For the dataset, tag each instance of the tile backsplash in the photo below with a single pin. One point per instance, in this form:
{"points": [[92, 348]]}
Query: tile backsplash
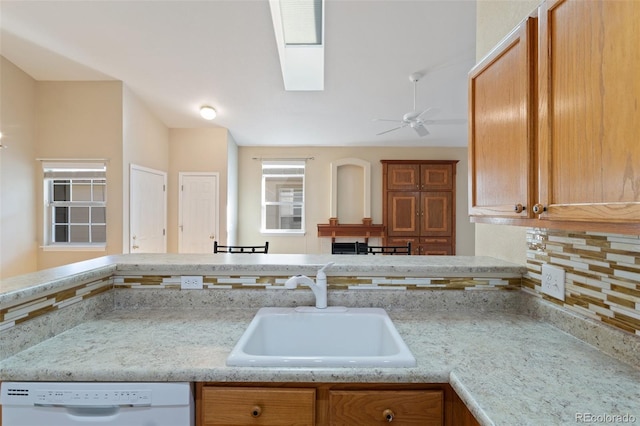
{"points": [[602, 273], [256, 282]]}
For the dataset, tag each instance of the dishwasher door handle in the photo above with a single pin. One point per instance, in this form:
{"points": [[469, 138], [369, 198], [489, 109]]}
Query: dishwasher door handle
{"points": [[92, 406]]}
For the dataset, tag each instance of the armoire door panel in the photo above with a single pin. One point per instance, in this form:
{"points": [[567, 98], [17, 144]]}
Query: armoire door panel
{"points": [[403, 213], [435, 215], [403, 177]]}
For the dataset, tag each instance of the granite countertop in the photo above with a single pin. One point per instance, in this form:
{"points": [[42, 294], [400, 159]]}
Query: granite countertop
{"points": [[48, 281], [509, 369]]}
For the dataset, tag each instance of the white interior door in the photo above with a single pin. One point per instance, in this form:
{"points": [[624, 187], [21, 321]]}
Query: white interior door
{"points": [[198, 212], [147, 210]]}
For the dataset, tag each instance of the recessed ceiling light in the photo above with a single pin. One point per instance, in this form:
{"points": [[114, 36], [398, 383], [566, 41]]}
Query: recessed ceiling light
{"points": [[208, 113]]}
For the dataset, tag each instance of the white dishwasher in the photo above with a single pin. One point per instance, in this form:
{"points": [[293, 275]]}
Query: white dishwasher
{"points": [[79, 403]]}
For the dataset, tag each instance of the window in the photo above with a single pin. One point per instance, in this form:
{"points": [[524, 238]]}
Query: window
{"points": [[76, 204], [283, 197]]}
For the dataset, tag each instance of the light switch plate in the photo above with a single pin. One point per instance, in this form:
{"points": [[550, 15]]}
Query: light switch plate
{"points": [[191, 282], [553, 281]]}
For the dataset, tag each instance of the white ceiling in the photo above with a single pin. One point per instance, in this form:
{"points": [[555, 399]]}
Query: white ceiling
{"points": [[178, 55]]}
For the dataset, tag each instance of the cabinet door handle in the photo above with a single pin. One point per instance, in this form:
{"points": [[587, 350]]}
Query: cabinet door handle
{"points": [[519, 208], [539, 208], [256, 411], [388, 415]]}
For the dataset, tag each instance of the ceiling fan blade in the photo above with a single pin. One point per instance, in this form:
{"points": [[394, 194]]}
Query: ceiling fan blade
{"points": [[429, 112], [391, 130], [421, 130], [387, 119], [446, 121]]}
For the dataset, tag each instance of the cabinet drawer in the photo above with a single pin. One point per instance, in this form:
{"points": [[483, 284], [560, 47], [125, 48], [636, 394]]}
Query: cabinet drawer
{"points": [[244, 406], [435, 240], [362, 408]]}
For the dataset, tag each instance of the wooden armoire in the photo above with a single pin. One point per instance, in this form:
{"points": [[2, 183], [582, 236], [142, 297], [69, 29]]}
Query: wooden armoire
{"points": [[419, 205]]}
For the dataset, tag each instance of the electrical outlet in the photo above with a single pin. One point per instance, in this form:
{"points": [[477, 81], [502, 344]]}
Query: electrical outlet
{"points": [[191, 282], [553, 281]]}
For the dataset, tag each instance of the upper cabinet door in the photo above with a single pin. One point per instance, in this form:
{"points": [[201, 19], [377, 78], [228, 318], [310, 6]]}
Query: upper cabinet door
{"points": [[403, 177], [502, 127], [436, 177], [589, 110]]}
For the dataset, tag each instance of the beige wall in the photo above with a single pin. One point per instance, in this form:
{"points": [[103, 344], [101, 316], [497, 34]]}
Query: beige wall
{"points": [[494, 20], [145, 143], [82, 120], [318, 187], [195, 150], [68, 120], [232, 190], [18, 240]]}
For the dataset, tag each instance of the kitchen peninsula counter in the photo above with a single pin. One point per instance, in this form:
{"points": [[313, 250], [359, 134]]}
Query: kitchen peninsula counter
{"points": [[509, 369], [55, 279]]}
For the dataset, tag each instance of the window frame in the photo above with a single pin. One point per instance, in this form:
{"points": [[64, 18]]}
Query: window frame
{"points": [[293, 205], [75, 175]]}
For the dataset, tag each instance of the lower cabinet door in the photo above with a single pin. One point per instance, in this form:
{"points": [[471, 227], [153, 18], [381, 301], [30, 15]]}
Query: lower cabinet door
{"points": [[362, 408], [244, 406]]}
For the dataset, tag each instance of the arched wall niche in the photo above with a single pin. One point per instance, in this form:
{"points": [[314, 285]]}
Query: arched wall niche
{"points": [[366, 229], [366, 193]]}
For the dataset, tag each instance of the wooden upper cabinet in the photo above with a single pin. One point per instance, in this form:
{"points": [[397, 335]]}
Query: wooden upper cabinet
{"points": [[502, 127], [590, 110]]}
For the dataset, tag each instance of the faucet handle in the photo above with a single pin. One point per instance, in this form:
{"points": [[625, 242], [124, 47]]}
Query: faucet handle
{"points": [[325, 267]]}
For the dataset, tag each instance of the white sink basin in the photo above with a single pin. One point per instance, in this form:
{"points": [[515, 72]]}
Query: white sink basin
{"points": [[331, 337]]}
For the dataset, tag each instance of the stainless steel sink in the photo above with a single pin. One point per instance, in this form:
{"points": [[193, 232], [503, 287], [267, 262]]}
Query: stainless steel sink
{"points": [[331, 337]]}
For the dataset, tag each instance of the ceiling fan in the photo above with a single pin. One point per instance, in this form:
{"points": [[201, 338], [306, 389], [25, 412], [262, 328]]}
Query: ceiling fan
{"points": [[417, 119]]}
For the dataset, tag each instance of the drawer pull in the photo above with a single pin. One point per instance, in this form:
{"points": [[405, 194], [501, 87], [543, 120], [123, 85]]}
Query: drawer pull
{"points": [[539, 209], [519, 208], [256, 411], [388, 415]]}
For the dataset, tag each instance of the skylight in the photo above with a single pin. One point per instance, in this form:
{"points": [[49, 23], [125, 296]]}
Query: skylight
{"points": [[301, 22], [299, 32]]}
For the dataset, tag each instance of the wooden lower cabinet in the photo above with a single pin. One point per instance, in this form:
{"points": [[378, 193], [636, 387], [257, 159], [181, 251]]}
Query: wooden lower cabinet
{"points": [[226, 406], [324, 404], [399, 407]]}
